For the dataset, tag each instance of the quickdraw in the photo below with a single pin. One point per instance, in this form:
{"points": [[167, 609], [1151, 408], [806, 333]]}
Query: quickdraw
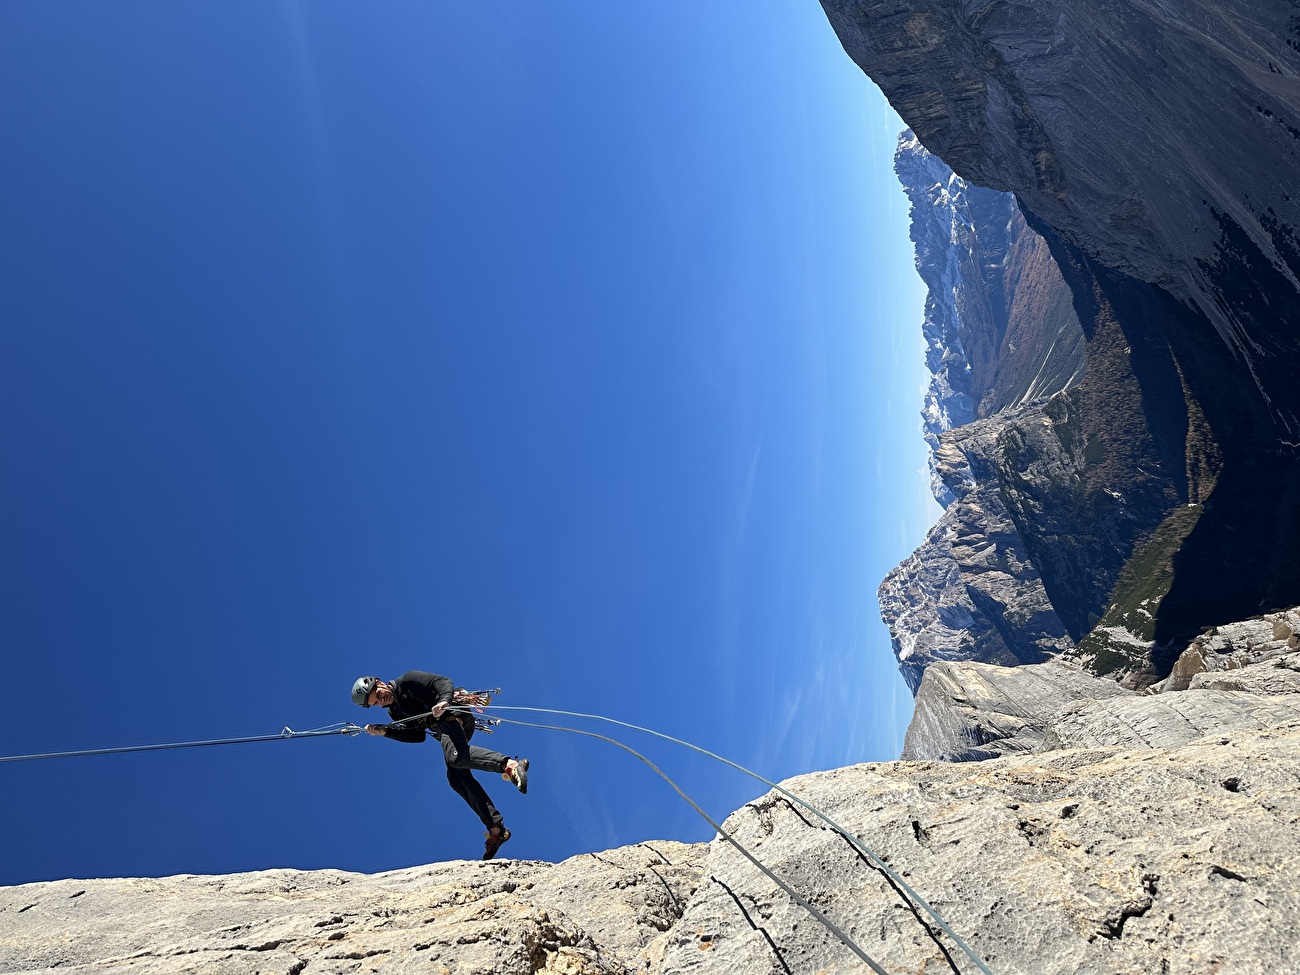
{"points": [[475, 702]]}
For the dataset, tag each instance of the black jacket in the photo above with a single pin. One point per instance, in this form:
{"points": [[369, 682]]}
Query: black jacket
{"points": [[416, 692]]}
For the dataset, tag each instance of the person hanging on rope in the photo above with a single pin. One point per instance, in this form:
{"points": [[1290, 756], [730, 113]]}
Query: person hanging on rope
{"points": [[417, 693]]}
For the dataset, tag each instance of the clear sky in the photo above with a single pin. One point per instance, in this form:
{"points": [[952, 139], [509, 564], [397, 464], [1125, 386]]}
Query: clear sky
{"points": [[569, 347]]}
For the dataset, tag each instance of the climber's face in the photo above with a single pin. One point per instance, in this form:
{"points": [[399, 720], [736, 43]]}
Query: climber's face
{"points": [[381, 696]]}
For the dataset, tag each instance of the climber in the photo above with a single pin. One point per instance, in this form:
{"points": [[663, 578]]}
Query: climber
{"points": [[418, 693]]}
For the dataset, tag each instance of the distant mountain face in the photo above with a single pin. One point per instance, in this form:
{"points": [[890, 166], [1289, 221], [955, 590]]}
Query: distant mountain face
{"points": [[998, 310], [1155, 150], [1050, 473], [1000, 327]]}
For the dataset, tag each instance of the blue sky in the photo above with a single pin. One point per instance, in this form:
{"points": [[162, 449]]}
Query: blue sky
{"points": [[573, 348]]}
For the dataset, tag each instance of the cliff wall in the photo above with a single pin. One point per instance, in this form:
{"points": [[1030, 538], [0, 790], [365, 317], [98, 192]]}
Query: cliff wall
{"points": [[1159, 138], [1152, 147]]}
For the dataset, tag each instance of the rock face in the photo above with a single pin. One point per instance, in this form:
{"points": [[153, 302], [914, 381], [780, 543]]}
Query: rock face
{"points": [[1217, 657], [599, 913], [1079, 861], [1159, 138], [970, 711], [971, 591], [1154, 148], [1245, 676]]}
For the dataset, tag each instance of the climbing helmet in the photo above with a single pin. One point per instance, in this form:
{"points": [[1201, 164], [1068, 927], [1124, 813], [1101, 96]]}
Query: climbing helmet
{"points": [[361, 690]]}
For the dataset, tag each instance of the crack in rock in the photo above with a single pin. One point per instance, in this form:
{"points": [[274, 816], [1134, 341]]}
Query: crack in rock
{"points": [[267, 946], [360, 955], [1217, 871], [1113, 928]]}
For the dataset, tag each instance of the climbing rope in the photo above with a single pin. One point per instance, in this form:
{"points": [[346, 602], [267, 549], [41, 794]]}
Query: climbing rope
{"points": [[793, 894], [350, 729], [342, 728], [850, 837], [853, 840], [347, 728]]}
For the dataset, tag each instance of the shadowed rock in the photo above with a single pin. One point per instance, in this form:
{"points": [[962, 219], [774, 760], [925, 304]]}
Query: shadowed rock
{"points": [[1153, 147], [1159, 138]]}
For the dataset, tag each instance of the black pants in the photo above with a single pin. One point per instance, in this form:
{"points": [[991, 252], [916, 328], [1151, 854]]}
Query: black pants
{"points": [[462, 760]]}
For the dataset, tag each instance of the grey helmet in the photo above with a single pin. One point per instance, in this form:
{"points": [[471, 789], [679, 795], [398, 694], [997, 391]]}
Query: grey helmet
{"points": [[361, 690]]}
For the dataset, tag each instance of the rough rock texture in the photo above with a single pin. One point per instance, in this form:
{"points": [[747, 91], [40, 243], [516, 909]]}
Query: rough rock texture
{"points": [[1079, 861], [971, 711], [595, 914], [1159, 137], [1279, 675], [1231, 647], [1155, 147], [1085, 861], [1166, 720]]}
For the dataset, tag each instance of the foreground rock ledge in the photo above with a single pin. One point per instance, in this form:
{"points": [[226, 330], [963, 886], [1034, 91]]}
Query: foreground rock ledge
{"points": [[1143, 861], [606, 912]]}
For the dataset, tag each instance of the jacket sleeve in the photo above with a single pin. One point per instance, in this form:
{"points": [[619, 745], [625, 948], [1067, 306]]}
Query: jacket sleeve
{"points": [[411, 733]]}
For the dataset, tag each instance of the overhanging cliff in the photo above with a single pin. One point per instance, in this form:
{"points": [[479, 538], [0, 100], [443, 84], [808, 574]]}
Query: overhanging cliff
{"points": [[1154, 148], [1161, 139]]}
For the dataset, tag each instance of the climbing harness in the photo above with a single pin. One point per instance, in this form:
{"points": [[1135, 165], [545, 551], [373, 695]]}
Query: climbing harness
{"points": [[342, 728], [475, 702], [465, 705]]}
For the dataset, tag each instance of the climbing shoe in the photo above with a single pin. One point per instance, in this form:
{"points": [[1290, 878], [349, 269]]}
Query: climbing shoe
{"points": [[495, 837], [516, 773]]}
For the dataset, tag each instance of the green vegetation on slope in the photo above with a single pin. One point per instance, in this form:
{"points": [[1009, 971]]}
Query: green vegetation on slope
{"points": [[1121, 641]]}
